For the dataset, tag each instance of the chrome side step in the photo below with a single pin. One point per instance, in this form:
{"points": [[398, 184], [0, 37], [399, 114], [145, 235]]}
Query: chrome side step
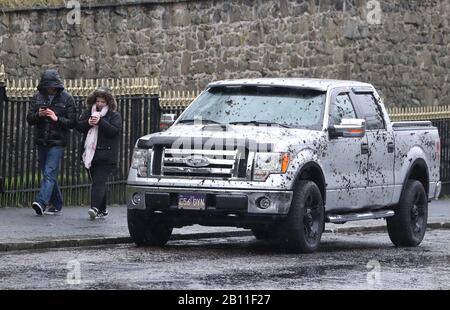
{"points": [[348, 217]]}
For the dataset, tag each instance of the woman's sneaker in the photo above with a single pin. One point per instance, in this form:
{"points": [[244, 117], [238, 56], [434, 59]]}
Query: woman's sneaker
{"points": [[38, 208], [53, 211], [102, 214], [93, 213]]}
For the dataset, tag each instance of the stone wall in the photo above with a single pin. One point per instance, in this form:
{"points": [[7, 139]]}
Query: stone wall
{"points": [[404, 51]]}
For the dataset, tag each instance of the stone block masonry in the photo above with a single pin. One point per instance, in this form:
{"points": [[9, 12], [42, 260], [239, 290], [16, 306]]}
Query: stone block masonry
{"points": [[402, 47]]}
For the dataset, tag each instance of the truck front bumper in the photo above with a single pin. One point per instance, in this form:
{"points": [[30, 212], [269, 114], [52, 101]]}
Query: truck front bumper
{"points": [[232, 202]]}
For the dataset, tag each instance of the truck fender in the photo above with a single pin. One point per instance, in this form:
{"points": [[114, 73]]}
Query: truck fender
{"points": [[417, 169], [306, 164]]}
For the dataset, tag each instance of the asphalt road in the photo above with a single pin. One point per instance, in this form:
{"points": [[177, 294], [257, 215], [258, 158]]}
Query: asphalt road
{"points": [[366, 261]]}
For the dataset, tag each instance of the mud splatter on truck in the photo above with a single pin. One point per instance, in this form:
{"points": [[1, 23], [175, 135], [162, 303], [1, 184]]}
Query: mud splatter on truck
{"points": [[283, 157]]}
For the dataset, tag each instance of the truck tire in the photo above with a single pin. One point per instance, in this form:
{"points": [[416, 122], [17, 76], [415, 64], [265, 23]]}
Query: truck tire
{"points": [[407, 227], [302, 230], [146, 229]]}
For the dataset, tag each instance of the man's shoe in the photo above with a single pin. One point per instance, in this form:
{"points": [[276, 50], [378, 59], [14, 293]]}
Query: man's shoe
{"points": [[53, 211], [93, 213], [38, 208], [102, 214]]}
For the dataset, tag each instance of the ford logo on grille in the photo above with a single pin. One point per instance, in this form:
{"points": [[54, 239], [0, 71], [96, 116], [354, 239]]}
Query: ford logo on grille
{"points": [[196, 161]]}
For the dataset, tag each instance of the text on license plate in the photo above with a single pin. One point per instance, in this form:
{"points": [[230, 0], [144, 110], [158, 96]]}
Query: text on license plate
{"points": [[191, 201]]}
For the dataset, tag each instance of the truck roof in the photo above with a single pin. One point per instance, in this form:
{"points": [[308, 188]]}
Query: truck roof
{"points": [[317, 84]]}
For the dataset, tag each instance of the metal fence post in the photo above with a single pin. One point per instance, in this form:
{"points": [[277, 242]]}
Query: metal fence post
{"points": [[2, 103], [155, 113]]}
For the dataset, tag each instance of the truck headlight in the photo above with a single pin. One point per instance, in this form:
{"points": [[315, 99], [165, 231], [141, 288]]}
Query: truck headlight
{"points": [[267, 163], [141, 161]]}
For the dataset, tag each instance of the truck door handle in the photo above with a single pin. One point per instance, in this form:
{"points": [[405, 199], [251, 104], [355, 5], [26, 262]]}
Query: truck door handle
{"points": [[391, 147], [364, 148]]}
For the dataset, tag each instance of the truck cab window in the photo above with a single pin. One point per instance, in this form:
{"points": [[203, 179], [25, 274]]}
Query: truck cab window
{"points": [[371, 111], [341, 108]]}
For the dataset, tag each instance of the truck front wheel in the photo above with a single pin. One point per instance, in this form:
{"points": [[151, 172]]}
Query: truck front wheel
{"points": [[302, 231], [407, 227], [146, 229]]}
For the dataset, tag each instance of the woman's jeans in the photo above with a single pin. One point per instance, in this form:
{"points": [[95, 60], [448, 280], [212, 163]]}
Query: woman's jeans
{"points": [[99, 173], [49, 158]]}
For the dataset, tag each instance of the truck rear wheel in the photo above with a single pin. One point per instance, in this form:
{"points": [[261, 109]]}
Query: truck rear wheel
{"points": [[407, 227], [146, 229], [302, 231]]}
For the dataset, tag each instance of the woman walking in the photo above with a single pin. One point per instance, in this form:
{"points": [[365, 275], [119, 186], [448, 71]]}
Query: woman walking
{"points": [[101, 125]]}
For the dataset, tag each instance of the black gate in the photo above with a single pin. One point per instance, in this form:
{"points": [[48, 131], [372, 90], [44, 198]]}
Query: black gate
{"points": [[443, 126]]}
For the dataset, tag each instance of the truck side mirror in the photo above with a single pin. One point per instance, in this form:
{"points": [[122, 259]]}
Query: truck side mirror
{"points": [[349, 128]]}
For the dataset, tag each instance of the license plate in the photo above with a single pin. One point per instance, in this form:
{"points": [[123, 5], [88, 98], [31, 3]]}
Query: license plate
{"points": [[191, 201]]}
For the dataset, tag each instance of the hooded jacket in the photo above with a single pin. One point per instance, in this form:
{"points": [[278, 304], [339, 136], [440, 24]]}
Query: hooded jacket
{"points": [[46, 131]]}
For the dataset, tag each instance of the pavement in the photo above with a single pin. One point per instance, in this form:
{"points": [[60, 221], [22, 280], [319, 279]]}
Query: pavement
{"points": [[22, 229]]}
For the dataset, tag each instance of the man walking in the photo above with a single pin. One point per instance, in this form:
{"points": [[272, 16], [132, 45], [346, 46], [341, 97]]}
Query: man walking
{"points": [[52, 113]]}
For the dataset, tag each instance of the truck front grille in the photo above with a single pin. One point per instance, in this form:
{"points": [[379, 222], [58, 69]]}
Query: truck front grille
{"points": [[195, 163]]}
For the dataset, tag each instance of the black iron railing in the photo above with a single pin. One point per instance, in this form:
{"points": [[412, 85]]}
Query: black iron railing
{"points": [[19, 170]]}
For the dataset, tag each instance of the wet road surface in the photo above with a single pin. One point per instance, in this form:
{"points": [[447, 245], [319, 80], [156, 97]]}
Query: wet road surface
{"points": [[360, 261]]}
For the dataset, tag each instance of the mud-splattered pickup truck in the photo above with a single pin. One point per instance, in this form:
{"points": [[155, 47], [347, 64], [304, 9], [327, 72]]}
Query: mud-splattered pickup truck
{"points": [[282, 157]]}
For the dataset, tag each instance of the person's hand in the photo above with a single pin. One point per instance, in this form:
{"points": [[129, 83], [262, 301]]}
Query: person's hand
{"points": [[42, 112], [51, 114], [93, 120]]}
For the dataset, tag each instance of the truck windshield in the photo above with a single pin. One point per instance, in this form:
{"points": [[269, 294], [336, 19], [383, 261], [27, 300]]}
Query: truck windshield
{"points": [[258, 105]]}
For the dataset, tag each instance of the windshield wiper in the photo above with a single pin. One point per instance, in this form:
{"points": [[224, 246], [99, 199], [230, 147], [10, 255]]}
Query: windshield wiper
{"points": [[260, 123], [200, 121]]}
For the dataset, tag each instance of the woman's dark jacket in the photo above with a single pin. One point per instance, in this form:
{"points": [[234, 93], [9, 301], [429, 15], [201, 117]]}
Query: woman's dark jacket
{"points": [[109, 128], [46, 131]]}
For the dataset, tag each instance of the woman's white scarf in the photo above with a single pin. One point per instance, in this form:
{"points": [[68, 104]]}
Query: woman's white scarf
{"points": [[91, 139]]}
